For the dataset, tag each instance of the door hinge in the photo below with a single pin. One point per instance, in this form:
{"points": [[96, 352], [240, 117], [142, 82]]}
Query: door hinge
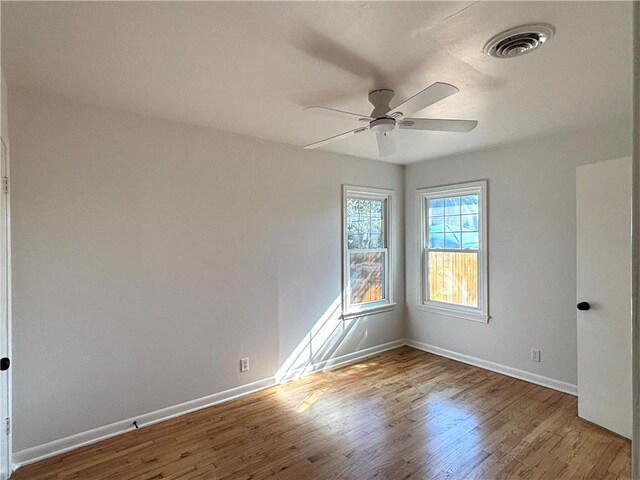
{"points": [[5, 184], [7, 426]]}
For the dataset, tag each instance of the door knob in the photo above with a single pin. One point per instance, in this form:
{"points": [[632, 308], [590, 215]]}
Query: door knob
{"points": [[4, 363], [583, 306]]}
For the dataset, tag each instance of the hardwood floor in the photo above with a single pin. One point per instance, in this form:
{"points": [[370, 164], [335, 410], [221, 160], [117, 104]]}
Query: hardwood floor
{"points": [[402, 414]]}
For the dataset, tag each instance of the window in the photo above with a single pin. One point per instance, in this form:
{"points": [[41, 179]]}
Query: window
{"points": [[453, 250], [367, 276]]}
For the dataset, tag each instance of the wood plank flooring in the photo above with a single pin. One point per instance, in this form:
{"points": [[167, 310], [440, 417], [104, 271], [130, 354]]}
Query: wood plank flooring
{"points": [[402, 414]]}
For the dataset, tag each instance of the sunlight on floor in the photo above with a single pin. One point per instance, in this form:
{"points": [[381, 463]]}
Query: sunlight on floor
{"points": [[361, 366], [310, 400]]}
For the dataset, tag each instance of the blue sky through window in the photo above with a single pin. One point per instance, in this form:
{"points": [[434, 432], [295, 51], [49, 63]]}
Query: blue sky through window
{"points": [[453, 222]]}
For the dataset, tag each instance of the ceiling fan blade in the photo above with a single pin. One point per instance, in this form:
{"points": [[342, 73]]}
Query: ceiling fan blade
{"points": [[439, 125], [430, 95], [335, 138], [341, 112], [386, 144]]}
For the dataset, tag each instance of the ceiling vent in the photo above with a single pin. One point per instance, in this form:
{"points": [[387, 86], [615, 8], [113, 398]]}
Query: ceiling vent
{"points": [[519, 40]]}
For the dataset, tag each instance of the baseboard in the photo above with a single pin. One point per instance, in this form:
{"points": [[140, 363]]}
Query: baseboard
{"points": [[56, 447], [497, 367]]}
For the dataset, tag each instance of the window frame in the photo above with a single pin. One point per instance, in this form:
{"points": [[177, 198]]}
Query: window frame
{"points": [[350, 310], [481, 313]]}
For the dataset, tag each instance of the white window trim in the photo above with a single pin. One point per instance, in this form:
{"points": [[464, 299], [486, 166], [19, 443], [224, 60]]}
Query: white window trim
{"points": [[480, 314], [360, 310]]}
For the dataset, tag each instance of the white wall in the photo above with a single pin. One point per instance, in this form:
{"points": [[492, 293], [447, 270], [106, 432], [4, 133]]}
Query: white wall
{"points": [[150, 256], [532, 241]]}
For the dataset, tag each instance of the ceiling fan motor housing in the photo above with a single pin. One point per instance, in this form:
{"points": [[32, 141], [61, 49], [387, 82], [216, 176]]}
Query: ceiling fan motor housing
{"points": [[380, 99]]}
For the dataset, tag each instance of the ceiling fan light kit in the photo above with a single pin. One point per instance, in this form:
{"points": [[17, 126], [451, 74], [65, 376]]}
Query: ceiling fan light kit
{"points": [[382, 125], [384, 119]]}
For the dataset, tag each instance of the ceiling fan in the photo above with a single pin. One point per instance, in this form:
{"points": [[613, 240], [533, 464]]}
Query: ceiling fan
{"points": [[384, 119]]}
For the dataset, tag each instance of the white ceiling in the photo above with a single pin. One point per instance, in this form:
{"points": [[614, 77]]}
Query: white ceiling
{"points": [[251, 67]]}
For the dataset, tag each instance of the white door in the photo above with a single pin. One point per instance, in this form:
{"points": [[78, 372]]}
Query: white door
{"points": [[604, 294], [5, 308]]}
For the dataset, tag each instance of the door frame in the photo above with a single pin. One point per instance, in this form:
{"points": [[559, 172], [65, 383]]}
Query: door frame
{"points": [[5, 202], [635, 246]]}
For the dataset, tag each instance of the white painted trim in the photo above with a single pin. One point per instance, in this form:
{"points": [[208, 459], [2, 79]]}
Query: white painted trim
{"points": [[497, 367], [474, 317], [56, 447], [8, 462], [387, 307]]}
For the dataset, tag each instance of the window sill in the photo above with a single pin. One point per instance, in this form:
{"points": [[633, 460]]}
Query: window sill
{"points": [[474, 317], [370, 311]]}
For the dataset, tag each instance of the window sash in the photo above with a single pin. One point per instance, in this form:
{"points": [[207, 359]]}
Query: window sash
{"points": [[385, 284], [365, 196], [457, 306]]}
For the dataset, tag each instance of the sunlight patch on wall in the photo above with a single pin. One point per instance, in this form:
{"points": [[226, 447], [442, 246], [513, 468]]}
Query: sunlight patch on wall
{"points": [[319, 345]]}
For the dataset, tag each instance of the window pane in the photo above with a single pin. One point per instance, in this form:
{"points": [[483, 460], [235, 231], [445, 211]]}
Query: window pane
{"points": [[352, 207], [436, 239], [366, 277], [453, 278], [436, 221], [376, 208], [365, 223], [452, 206], [469, 204], [376, 225], [353, 226], [376, 241], [453, 223], [470, 240], [436, 207], [452, 240], [470, 222], [354, 241], [366, 241]]}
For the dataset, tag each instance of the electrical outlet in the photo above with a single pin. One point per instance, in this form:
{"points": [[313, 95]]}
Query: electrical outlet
{"points": [[244, 364], [535, 355]]}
